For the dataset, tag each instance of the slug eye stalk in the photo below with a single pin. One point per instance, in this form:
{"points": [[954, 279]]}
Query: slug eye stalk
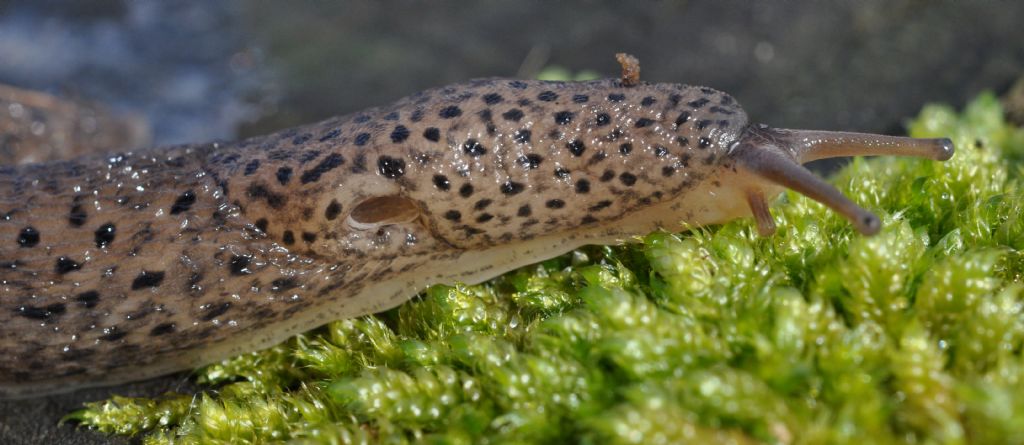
{"points": [[777, 154]]}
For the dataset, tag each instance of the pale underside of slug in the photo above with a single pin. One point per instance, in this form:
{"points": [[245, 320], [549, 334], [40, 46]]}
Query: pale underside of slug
{"points": [[119, 267]]}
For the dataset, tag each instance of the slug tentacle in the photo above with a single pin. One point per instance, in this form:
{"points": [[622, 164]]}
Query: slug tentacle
{"points": [[771, 163], [762, 216], [776, 154], [811, 145]]}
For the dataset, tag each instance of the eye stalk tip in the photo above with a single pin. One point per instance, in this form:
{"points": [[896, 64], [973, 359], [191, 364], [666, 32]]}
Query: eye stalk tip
{"points": [[945, 149], [868, 224]]}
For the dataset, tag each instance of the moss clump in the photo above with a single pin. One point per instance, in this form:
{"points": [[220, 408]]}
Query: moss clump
{"points": [[814, 335]]}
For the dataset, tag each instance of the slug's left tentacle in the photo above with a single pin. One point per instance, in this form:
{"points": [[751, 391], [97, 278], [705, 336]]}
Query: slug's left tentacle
{"points": [[771, 163]]}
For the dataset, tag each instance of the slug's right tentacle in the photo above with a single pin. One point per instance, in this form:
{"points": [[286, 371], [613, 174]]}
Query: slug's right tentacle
{"points": [[771, 163], [811, 145]]}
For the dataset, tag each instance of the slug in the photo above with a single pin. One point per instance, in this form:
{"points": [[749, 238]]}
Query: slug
{"points": [[120, 267]]}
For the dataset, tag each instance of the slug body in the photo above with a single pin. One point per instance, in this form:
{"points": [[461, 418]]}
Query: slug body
{"points": [[126, 266]]}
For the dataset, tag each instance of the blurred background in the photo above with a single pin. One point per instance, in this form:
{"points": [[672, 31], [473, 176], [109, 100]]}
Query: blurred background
{"points": [[195, 70], [199, 70]]}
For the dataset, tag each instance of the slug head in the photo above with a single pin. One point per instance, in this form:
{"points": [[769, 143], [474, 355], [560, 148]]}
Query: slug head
{"points": [[774, 158]]}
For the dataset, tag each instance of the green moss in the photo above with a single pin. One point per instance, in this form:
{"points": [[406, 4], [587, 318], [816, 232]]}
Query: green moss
{"points": [[814, 335]]}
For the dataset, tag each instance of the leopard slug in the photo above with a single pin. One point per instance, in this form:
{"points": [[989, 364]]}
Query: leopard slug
{"points": [[120, 267]]}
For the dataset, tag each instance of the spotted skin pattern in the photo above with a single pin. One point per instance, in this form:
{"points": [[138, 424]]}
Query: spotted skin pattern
{"points": [[125, 266]]}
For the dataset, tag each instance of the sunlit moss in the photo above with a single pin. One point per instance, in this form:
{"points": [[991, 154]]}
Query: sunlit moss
{"points": [[816, 335]]}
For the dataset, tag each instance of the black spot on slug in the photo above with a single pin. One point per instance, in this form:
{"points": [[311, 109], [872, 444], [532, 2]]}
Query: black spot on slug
{"points": [[252, 166], [643, 122], [698, 103], [561, 172], [474, 148], [183, 203], [41, 313], [391, 167], [530, 161], [449, 112], [77, 216], [582, 186], [482, 204], [88, 299], [703, 142], [362, 139], [162, 329], [608, 175], [683, 118], [65, 265], [580, 98], [512, 188], [288, 237], [308, 237], [216, 310], [522, 136], [626, 148], [563, 117], [239, 265], [547, 96], [484, 217], [147, 279], [648, 101], [333, 210], [513, 115], [399, 134], [627, 178], [432, 134], [603, 119], [330, 135], [492, 98], [327, 164], [453, 215], [105, 235], [466, 190], [603, 204], [576, 147], [554, 204], [283, 284], [524, 211], [284, 174], [442, 182], [28, 237], [113, 334], [616, 97]]}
